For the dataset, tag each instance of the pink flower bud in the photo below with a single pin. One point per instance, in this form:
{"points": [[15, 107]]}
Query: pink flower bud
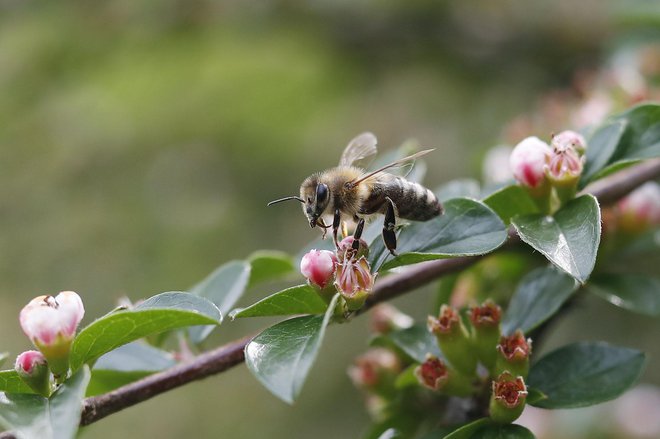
{"points": [[641, 208], [50, 323], [28, 361], [487, 315], [448, 322], [569, 140], [354, 281], [565, 165], [318, 266], [528, 161], [345, 249], [32, 368]]}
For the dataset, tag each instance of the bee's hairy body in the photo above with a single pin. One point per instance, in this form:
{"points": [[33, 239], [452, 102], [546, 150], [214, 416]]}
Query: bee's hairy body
{"points": [[369, 197]]}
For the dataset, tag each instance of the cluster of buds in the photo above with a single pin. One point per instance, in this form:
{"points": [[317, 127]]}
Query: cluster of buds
{"points": [[466, 343], [50, 322], [540, 167], [347, 271]]}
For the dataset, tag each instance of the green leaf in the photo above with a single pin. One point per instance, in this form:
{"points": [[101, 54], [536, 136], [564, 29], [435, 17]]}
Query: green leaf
{"points": [[282, 355], [485, 429], [584, 374], [268, 265], [104, 381], [569, 239], [511, 201], [33, 416], [535, 395], [10, 382], [415, 342], [539, 295], [465, 187], [223, 287], [631, 136], [468, 227], [159, 313], [637, 293], [301, 299]]}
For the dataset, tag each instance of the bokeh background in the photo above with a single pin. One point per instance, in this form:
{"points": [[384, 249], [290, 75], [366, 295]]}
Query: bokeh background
{"points": [[140, 142]]}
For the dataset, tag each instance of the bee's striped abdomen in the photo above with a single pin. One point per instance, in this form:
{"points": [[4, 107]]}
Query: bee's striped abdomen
{"points": [[413, 201]]}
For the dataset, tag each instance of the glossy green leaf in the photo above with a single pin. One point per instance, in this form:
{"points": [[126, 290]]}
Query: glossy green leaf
{"points": [[637, 293], [465, 187], [282, 355], [159, 313], [486, 429], [539, 295], [631, 136], [569, 239], [535, 395], [10, 382], [33, 416], [416, 342], [511, 201], [268, 265], [468, 227], [223, 287], [584, 374], [301, 299]]}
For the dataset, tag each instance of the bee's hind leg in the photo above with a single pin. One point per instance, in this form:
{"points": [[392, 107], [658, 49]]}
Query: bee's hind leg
{"points": [[336, 221], [358, 234], [389, 227]]}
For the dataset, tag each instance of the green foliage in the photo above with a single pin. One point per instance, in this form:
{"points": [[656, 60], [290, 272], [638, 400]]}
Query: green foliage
{"points": [[416, 342], [511, 201], [485, 429], [626, 138], [160, 313], [268, 265], [301, 299], [584, 374], [56, 417], [637, 293], [282, 355], [569, 238], [538, 297], [467, 228], [10, 382]]}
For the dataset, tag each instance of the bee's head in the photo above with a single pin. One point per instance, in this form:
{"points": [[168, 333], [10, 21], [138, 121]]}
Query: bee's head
{"points": [[315, 197]]}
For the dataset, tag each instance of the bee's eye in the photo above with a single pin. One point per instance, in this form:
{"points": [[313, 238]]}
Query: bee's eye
{"points": [[321, 193]]}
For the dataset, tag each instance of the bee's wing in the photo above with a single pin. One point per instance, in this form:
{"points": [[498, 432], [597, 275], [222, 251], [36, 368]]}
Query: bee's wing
{"points": [[392, 165], [362, 146]]}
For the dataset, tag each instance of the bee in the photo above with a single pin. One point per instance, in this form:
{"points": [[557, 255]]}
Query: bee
{"points": [[347, 192]]}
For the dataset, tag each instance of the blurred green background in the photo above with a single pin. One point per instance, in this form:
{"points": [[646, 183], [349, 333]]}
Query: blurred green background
{"points": [[140, 142]]}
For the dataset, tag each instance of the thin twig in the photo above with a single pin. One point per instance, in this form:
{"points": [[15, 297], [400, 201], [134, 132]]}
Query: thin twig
{"points": [[608, 191]]}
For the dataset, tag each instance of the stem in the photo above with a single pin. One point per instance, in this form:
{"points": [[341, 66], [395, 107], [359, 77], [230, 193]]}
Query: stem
{"points": [[608, 191]]}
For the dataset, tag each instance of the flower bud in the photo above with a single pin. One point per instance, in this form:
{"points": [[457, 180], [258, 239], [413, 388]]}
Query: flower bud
{"points": [[569, 140], [528, 162], [354, 281], [50, 323], [453, 339], [32, 368], [513, 354], [486, 322], [375, 370], [385, 318], [507, 401], [564, 170], [438, 376], [640, 210], [345, 249], [318, 266]]}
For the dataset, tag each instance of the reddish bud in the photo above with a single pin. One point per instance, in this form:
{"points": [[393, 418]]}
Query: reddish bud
{"points": [[508, 398], [454, 340], [488, 315], [513, 354], [318, 266], [32, 368], [569, 140], [528, 161], [375, 370], [345, 249], [432, 373], [50, 323], [486, 322], [640, 210], [447, 322], [354, 281]]}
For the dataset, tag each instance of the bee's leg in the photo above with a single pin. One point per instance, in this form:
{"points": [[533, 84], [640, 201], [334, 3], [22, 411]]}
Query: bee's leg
{"points": [[389, 227], [358, 234], [336, 221]]}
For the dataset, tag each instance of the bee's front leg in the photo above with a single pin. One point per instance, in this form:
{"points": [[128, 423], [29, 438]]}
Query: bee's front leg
{"points": [[336, 221], [389, 227]]}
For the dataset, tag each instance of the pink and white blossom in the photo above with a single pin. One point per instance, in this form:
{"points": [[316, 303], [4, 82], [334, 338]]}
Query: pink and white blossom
{"points": [[319, 266], [528, 161]]}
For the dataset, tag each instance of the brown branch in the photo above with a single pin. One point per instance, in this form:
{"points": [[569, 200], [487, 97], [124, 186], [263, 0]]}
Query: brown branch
{"points": [[608, 191]]}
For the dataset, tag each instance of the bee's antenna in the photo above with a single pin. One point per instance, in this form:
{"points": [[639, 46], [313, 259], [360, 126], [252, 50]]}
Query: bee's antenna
{"points": [[286, 199]]}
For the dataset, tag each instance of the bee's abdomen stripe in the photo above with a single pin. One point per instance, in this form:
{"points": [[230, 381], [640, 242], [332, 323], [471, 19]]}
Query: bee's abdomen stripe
{"points": [[416, 202]]}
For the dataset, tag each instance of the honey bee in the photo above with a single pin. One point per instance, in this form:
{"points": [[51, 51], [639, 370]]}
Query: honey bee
{"points": [[347, 192]]}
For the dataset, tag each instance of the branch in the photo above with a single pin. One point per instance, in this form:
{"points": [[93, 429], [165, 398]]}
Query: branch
{"points": [[608, 191]]}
